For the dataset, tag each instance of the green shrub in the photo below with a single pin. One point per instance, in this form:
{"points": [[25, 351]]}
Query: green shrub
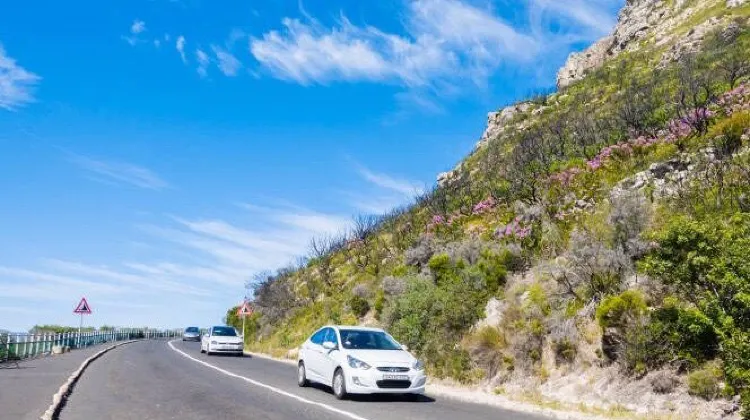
{"points": [[620, 311], [379, 303], [681, 332], [432, 318], [706, 382], [707, 261], [359, 306]]}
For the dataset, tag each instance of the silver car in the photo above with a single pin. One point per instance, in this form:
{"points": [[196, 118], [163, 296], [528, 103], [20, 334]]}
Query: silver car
{"points": [[191, 334]]}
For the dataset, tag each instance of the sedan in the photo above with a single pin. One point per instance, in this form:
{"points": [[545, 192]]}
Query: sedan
{"points": [[222, 339], [359, 360], [191, 334]]}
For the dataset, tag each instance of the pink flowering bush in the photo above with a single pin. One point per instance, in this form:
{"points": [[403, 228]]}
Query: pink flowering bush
{"points": [[736, 100], [484, 206], [513, 230]]}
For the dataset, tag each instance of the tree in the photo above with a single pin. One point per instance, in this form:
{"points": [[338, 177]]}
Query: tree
{"points": [[322, 250], [729, 54], [695, 92]]}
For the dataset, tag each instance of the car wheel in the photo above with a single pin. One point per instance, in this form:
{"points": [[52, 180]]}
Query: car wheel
{"points": [[339, 384], [302, 375]]}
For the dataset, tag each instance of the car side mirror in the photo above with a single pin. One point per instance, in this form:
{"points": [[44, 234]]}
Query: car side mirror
{"points": [[404, 347], [329, 345]]}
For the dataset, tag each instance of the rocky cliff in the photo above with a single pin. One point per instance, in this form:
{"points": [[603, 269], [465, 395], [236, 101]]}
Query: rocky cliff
{"points": [[660, 23]]}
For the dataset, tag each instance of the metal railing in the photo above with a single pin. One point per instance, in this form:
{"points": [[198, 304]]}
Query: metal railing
{"points": [[18, 346]]}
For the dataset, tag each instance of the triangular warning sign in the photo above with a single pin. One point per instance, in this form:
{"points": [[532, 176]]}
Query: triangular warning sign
{"points": [[83, 307], [245, 309]]}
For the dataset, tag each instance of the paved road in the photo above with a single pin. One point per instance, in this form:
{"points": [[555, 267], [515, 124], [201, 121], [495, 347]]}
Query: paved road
{"points": [[150, 380], [26, 391]]}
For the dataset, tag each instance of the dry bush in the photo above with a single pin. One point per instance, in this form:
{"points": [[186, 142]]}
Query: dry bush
{"points": [[361, 290], [394, 286], [664, 382], [419, 255]]}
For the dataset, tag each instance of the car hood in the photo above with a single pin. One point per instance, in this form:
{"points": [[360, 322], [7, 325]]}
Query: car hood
{"points": [[228, 339], [382, 357]]}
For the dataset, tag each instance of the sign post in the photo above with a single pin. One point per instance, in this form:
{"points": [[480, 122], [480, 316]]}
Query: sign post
{"points": [[82, 309], [243, 312]]}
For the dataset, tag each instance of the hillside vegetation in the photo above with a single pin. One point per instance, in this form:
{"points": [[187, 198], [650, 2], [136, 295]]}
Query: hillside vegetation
{"points": [[606, 225]]}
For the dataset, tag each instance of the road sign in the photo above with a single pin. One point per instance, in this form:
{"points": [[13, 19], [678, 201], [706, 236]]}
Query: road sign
{"points": [[245, 310], [83, 307]]}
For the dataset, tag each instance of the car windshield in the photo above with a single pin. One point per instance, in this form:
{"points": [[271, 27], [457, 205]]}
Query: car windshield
{"points": [[367, 340], [192, 329], [225, 331]]}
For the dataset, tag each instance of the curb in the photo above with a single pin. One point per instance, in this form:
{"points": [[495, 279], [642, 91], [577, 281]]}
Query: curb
{"points": [[58, 400]]}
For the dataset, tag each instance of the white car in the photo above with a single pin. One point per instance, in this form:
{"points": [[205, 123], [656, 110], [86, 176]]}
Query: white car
{"points": [[222, 339], [359, 360]]}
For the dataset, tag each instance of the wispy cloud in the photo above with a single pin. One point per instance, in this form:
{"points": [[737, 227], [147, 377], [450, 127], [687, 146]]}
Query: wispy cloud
{"points": [[120, 172], [16, 83], [136, 28], [399, 185], [180, 46], [203, 62], [228, 63], [445, 40], [385, 193], [446, 47], [575, 20]]}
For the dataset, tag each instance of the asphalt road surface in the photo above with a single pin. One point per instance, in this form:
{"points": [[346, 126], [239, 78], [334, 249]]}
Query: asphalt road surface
{"points": [[153, 380]]}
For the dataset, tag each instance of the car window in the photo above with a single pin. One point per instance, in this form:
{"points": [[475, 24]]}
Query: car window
{"points": [[192, 330], [368, 340], [224, 332], [318, 337], [331, 336]]}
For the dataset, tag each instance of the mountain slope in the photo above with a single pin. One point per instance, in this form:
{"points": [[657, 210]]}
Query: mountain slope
{"points": [[590, 251]]}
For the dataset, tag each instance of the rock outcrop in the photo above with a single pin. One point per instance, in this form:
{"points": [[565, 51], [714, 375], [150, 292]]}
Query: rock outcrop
{"points": [[657, 21]]}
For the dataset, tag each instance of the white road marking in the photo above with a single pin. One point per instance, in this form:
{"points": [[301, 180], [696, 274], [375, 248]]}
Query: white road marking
{"points": [[269, 387]]}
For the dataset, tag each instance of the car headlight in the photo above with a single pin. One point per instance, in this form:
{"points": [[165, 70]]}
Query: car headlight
{"points": [[418, 365], [214, 342], [356, 363]]}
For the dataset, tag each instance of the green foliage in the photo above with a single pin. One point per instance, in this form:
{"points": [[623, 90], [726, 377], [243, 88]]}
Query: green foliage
{"points": [[707, 260], [493, 266], [706, 382], [620, 311], [431, 318], [359, 306], [379, 303], [678, 331]]}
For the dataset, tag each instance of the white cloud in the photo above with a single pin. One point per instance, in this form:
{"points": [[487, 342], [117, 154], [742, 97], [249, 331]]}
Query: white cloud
{"points": [[16, 83], [587, 19], [399, 185], [444, 46], [180, 45], [203, 62], [121, 172], [228, 63], [445, 40], [137, 27]]}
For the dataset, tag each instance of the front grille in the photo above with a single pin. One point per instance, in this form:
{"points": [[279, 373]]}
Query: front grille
{"points": [[393, 369], [392, 384]]}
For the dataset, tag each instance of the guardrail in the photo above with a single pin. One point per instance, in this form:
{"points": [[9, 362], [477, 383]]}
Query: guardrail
{"points": [[14, 347]]}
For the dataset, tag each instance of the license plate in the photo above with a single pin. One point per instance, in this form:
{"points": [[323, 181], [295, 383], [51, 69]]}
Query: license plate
{"points": [[396, 377]]}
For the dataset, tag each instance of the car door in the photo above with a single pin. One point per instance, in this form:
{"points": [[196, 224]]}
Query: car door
{"points": [[313, 349], [329, 358]]}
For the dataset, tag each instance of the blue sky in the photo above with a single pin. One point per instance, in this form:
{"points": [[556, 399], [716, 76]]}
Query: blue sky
{"points": [[156, 153]]}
